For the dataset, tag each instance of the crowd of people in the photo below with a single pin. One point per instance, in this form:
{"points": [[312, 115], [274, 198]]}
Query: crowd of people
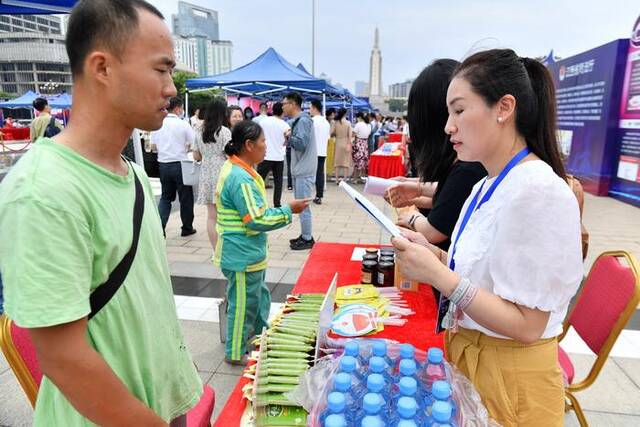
{"points": [[498, 232]]}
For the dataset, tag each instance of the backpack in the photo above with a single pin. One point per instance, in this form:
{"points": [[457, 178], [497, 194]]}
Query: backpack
{"points": [[51, 130]]}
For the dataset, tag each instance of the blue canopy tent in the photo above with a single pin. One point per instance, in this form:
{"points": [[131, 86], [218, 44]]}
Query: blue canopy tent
{"points": [[35, 7], [24, 101], [63, 101], [357, 104], [301, 67], [266, 77]]}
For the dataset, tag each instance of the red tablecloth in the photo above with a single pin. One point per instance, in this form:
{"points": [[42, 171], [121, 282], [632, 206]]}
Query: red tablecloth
{"points": [[324, 261], [386, 166], [15, 133], [394, 137]]}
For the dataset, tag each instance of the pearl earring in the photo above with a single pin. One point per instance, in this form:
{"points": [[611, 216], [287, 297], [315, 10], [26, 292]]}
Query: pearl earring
{"points": [[499, 119]]}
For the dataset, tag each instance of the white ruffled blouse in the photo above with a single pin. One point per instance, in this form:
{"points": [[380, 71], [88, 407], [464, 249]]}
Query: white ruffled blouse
{"points": [[524, 243]]}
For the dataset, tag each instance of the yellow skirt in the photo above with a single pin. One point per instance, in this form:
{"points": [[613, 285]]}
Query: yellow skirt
{"points": [[520, 384]]}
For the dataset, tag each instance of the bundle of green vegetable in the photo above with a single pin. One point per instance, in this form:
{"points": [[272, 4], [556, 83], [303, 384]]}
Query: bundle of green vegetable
{"points": [[290, 346]]}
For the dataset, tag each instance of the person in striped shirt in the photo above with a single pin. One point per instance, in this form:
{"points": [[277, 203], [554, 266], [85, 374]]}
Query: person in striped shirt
{"points": [[243, 220]]}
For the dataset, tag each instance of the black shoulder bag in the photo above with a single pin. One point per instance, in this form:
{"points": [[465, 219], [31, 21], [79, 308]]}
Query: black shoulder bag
{"points": [[103, 293]]}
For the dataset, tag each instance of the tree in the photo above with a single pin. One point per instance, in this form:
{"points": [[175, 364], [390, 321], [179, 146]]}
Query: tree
{"points": [[397, 105], [198, 99], [5, 95], [180, 78]]}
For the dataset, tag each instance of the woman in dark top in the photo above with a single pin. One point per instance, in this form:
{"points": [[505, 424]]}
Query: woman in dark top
{"points": [[443, 183]]}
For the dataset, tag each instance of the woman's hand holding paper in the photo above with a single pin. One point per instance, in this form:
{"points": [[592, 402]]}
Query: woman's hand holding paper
{"points": [[403, 194], [423, 264]]}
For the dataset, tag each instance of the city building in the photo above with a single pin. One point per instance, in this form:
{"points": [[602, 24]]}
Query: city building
{"points": [[33, 55], [30, 23], [218, 56], [375, 68], [186, 51], [195, 21], [361, 88], [197, 40], [400, 90], [205, 57]]}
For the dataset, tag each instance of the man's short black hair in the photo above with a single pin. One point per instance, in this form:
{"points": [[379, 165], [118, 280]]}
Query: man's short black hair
{"points": [[277, 109], [295, 98], [316, 104], [174, 103], [105, 23], [40, 104]]}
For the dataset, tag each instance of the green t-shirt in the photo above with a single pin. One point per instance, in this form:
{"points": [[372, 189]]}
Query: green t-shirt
{"points": [[65, 223]]}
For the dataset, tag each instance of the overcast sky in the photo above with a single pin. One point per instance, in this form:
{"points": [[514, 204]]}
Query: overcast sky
{"points": [[412, 32]]}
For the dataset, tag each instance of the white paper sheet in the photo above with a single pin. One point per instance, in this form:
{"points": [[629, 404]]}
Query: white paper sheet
{"points": [[358, 253], [378, 186], [371, 209]]}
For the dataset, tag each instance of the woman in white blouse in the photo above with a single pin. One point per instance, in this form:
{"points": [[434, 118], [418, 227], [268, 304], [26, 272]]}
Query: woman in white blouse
{"points": [[515, 259], [211, 138], [360, 153]]}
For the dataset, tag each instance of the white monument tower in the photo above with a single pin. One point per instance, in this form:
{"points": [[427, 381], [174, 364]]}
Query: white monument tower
{"points": [[375, 68]]}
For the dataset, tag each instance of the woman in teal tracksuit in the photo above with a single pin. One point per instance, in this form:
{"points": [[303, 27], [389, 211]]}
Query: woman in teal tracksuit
{"points": [[242, 223]]}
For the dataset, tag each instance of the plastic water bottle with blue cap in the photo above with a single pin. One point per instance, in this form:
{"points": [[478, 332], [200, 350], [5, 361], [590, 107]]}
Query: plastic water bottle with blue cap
{"points": [[372, 421], [336, 404], [434, 368], [379, 349], [372, 406], [408, 368], [377, 365], [348, 366], [407, 409], [342, 384], [440, 391], [352, 348], [377, 384], [441, 415], [406, 387], [335, 420], [408, 352]]}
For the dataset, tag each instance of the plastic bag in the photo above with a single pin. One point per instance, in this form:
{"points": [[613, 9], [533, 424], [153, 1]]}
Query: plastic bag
{"points": [[317, 382]]}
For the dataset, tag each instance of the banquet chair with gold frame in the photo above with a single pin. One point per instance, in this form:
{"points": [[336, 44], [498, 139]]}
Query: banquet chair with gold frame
{"points": [[609, 297]]}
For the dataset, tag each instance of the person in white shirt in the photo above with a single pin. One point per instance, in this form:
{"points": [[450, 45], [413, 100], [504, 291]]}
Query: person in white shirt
{"points": [[262, 113], [515, 261], [274, 129], [360, 153], [321, 132], [173, 141], [196, 120]]}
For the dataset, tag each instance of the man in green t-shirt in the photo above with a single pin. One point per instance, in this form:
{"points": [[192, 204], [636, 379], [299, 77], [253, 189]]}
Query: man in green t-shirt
{"points": [[66, 214], [39, 124]]}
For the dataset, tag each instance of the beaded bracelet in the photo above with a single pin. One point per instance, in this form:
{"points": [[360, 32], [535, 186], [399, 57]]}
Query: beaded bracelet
{"points": [[463, 294]]}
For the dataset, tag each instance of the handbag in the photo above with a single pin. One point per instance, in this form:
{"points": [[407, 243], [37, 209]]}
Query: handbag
{"points": [[190, 172], [103, 293]]}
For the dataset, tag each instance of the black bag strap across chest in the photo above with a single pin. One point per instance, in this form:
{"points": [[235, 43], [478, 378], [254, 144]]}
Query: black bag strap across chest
{"points": [[103, 293]]}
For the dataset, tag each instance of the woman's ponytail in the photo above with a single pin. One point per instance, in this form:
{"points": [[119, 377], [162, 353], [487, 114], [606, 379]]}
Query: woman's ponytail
{"points": [[546, 146]]}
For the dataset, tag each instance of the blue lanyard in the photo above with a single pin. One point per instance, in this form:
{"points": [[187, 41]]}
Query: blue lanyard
{"points": [[474, 205]]}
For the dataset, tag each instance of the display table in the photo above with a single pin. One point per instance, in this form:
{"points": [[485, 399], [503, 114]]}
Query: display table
{"points": [[324, 261], [11, 134], [386, 166], [394, 137]]}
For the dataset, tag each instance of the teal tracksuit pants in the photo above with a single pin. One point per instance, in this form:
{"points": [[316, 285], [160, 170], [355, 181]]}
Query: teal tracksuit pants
{"points": [[249, 301]]}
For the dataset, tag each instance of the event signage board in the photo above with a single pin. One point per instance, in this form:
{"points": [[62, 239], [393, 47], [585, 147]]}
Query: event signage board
{"points": [[626, 182], [588, 88]]}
